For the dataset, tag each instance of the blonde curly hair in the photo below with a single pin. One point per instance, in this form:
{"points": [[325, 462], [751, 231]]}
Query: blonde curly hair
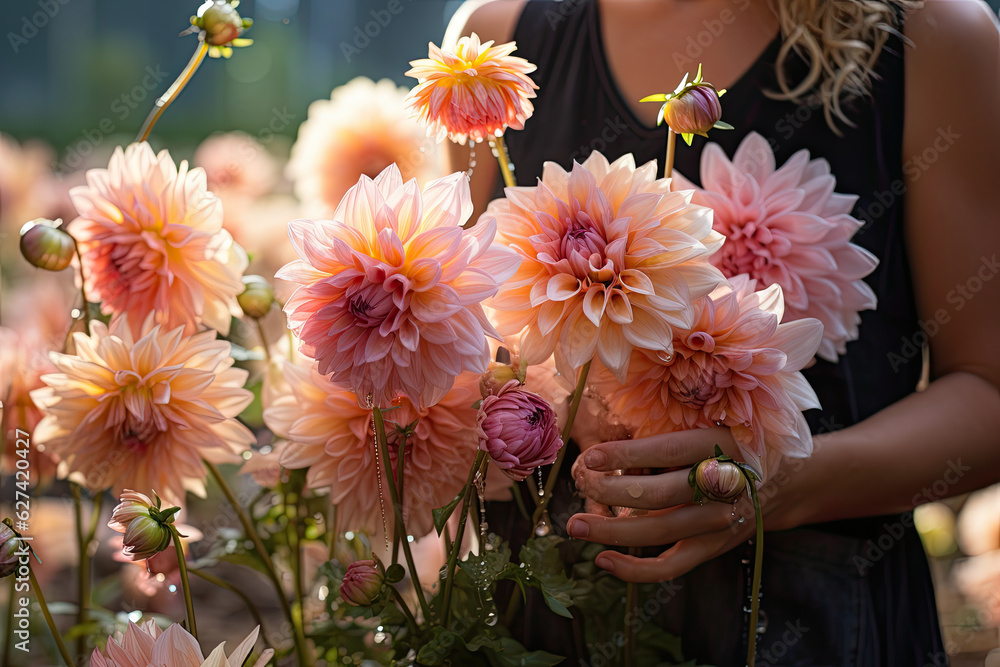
{"points": [[840, 41]]}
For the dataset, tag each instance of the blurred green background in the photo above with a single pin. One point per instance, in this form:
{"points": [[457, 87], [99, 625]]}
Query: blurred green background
{"points": [[76, 71]]}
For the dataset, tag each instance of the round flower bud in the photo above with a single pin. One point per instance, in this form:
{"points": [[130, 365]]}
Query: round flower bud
{"points": [[45, 245], [518, 430], [362, 585], [257, 297], [694, 111], [10, 545], [497, 376], [221, 23], [145, 537], [719, 480]]}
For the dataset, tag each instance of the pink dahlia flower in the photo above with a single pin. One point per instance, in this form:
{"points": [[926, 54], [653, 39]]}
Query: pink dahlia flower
{"points": [[328, 432], [518, 429], [152, 241], [736, 366], [473, 92], [143, 413], [390, 290], [362, 129], [147, 645], [788, 227], [611, 260]]}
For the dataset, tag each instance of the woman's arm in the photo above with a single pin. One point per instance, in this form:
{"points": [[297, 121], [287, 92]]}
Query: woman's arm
{"points": [[939, 442], [490, 19]]}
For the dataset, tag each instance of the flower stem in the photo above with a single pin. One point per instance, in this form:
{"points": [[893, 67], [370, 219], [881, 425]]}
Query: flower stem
{"points": [[757, 563], [400, 456], [263, 339], [574, 407], [63, 651], [293, 494], [668, 166], [298, 635], [397, 507], [456, 546], [410, 620], [185, 584], [173, 91], [501, 151], [85, 308], [222, 583], [83, 572]]}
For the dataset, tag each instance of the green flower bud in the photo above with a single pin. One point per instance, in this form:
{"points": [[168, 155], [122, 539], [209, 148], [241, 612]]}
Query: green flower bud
{"points": [[145, 537], [220, 22], [46, 245], [257, 297], [10, 550]]}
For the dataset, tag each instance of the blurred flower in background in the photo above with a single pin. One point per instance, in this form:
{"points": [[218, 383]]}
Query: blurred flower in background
{"points": [[361, 129], [979, 535]]}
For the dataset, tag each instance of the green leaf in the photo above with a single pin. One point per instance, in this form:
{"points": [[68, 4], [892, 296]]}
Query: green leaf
{"points": [[543, 569], [512, 654], [658, 97], [439, 647], [719, 125], [442, 514]]}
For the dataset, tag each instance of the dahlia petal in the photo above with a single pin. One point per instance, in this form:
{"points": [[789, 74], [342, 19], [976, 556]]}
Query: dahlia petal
{"points": [[799, 340]]}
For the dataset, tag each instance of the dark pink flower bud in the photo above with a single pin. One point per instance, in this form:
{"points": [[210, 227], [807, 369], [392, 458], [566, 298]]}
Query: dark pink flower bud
{"points": [[10, 550], [694, 112], [518, 430], [362, 583], [722, 481]]}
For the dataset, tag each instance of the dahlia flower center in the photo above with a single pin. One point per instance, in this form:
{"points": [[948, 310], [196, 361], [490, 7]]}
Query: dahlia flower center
{"points": [[370, 306], [694, 390], [138, 433], [583, 247], [535, 418], [750, 248], [131, 261]]}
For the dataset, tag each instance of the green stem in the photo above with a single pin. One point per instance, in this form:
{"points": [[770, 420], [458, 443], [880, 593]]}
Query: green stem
{"points": [[757, 563], [298, 635], [574, 407], [333, 530], [410, 620], [508, 175], [63, 651], [668, 166], [296, 482], [513, 605], [222, 583], [185, 584], [400, 457], [83, 571], [263, 340], [173, 91], [397, 507], [85, 309], [456, 546]]}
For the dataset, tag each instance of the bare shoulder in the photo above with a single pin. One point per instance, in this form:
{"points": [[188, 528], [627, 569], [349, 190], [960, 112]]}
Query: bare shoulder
{"points": [[490, 19], [953, 32]]}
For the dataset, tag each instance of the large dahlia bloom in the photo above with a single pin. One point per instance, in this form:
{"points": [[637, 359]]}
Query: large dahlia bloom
{"points": [[390, 289], [146, 645], [330, 433], [611, 260], [152, 241], [362, 129], [473, 92], [737, 367], [788, 227], [143, 413]]}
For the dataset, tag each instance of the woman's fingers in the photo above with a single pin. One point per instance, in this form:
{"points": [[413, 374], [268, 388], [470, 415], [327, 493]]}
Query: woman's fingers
{"points": [[672, 563], [668, 450], [650, 492], [655, 528]]}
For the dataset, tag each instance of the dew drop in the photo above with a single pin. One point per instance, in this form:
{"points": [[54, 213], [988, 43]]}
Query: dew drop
{"points": [[634, 490], [743, 519]]}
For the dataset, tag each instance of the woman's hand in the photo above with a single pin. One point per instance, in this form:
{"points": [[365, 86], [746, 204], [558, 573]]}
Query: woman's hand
{"points": [[700, 532]]}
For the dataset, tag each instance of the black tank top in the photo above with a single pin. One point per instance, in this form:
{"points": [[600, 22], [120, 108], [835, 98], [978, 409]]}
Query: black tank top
{"points": [[865, 604]]}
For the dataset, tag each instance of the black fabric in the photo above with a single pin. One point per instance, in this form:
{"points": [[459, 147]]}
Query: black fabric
{"points": [[861, 587]]}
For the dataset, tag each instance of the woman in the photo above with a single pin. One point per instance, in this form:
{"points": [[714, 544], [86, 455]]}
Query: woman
{"points": [[913, 133]]}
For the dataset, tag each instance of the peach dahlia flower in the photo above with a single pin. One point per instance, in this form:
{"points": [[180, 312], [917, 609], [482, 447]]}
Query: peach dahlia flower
{"points": [[152, 242], [328, 432], [735, 366], [788, 227], [390, 289], [143, 413], [473, 92], [362, 129], [148, 646], [611, 260]]}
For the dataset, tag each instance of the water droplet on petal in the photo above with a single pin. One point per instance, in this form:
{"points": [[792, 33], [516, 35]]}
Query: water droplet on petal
{"points": [[634, 490]]}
